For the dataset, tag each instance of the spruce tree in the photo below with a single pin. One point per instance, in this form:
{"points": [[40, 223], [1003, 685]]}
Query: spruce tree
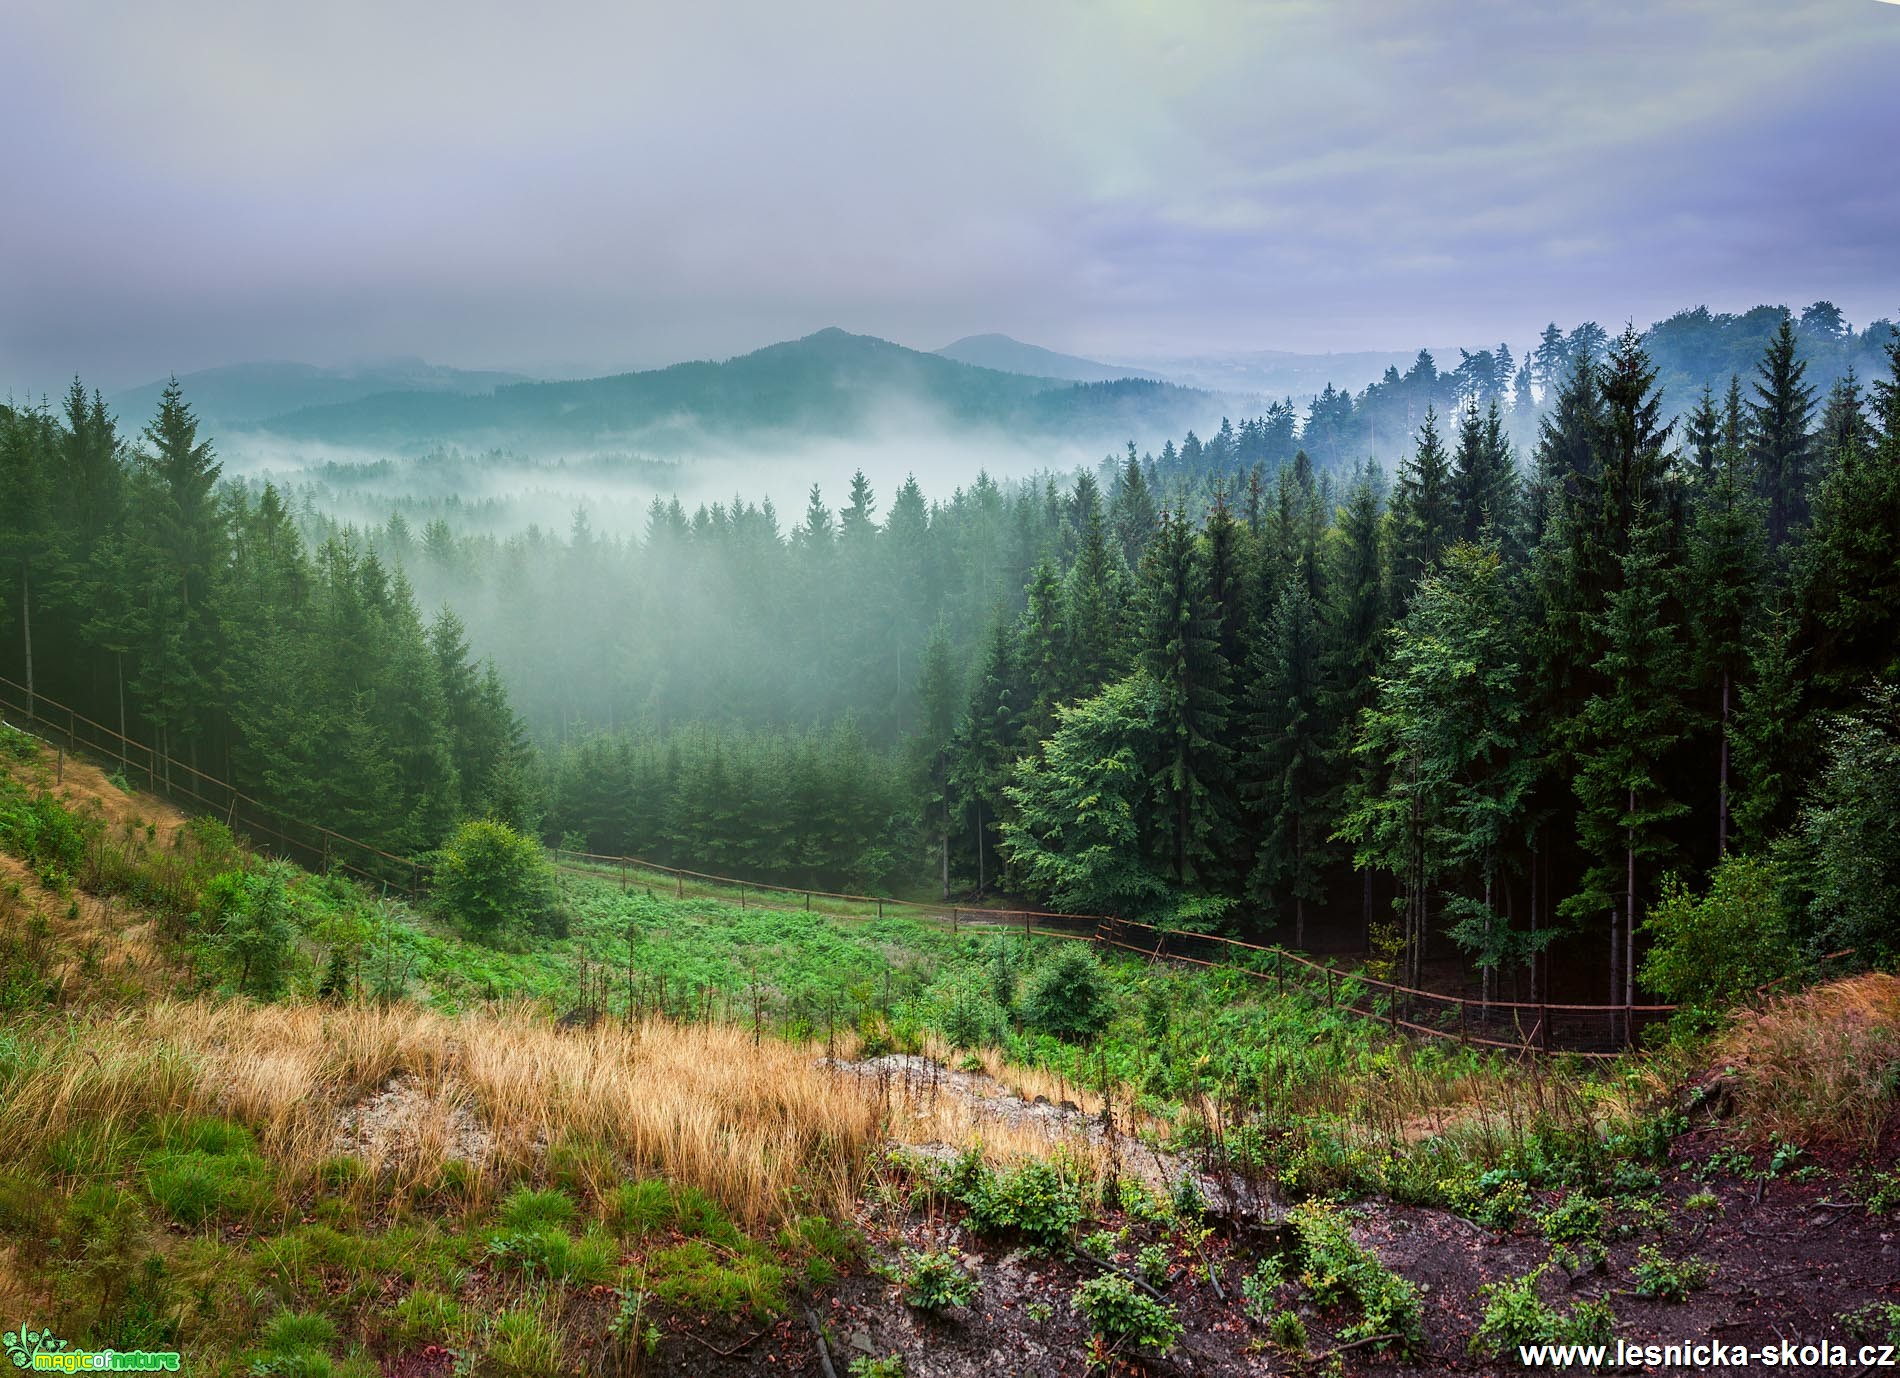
{"points": [[1780, 415], [1727, 565], [1093, 616], [1484, 477], [985, 747], [1625, 735], [1287, 768], [1181, 652], [1424, 512], [1848, 569]]}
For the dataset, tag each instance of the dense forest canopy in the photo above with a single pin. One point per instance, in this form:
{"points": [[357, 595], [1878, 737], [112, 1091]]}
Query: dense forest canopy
{"points": [[1486, 652]]}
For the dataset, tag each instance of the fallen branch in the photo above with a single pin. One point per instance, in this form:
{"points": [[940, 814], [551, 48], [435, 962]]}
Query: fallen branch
{"points": [[725, 1353], [1346, 1348], [1119, 1272], [824, 1350]]}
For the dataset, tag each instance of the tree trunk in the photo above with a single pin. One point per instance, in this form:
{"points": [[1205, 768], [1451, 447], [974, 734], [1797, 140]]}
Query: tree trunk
{"points": [[1721, 827], [981, 880], [1629, 924], [1488, 976], [26, 630], [1537, 858]]}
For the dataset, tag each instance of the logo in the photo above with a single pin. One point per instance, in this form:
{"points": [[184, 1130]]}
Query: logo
{"points": [[41, 1351]]}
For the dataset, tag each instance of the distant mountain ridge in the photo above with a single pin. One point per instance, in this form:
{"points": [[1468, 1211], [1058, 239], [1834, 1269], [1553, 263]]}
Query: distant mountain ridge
{"points": [[1007, 355], [239, 396], [831, 384]]}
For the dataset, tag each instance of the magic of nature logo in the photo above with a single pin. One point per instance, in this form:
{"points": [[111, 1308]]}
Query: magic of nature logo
{"points": [[44, 1352]]}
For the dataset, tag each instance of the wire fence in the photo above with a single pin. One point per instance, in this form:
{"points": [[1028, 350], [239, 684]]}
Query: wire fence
{"points": [[1514, 1025], [268, 829], [1518, 1026]]}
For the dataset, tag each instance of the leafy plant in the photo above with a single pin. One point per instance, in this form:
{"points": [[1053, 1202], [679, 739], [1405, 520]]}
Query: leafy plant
{"points": [[1122, 1317], [1260, 1289], [1340, 1272], [1288, 1331], [1515, 1315], [1576, 1219], [1156, 1265], [935, 1280], [1658, 1276], [1035, 1199]]}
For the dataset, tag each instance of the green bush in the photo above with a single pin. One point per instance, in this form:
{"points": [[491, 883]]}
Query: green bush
{"points": [[249, 921], [1288, 1331], [1664, 1279], [1515, 1315], [1713, 950], [494, 880], [1340, 1272], [1577, 1219], [1035, 1200], [971, 1018], [1260, 1289], [1068, 995], [1123, 1318], [935, 1280]]}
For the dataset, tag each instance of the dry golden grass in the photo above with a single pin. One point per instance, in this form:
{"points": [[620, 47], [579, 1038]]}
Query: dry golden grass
{"points": [[1822, 1065], [762, 1128]]}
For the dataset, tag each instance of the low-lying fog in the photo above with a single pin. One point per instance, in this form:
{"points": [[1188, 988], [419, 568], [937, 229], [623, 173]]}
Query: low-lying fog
{"points": [[501, 492]]}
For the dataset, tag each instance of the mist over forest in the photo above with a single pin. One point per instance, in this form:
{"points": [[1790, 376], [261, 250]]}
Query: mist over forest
{"points": [[909, 691], [855, 652]]}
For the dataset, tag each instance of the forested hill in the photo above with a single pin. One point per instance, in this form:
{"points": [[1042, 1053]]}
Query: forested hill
{"points": [[242, 395], [1013, 356], [828, 385]]}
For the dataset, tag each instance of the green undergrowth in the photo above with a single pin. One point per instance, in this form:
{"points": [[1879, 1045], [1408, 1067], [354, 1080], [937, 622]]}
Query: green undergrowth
{"points": [[180, 1233]]}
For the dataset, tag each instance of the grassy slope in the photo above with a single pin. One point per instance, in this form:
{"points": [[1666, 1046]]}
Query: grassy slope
{"points": [[293, 1184]]}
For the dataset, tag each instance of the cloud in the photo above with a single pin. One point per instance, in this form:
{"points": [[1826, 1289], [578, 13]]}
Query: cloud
{"points": [[587, 186]]}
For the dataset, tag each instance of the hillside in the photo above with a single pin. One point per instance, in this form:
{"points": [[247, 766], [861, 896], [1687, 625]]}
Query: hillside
{"points": [[239, 396], [1013, 356], [746, 1149], [827, 385]]}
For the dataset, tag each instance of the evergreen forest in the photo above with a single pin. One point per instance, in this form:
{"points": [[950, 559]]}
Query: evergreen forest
{"points": [[1506, 662]]}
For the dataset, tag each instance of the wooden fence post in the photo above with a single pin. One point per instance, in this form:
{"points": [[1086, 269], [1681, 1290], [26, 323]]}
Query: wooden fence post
{"points": [[1543, 1025], [1329, 985]]}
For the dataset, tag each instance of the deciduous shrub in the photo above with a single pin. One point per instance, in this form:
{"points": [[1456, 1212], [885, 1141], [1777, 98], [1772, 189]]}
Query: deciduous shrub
{"points": [[934, 1280], [1123, 1318], [1712, 950], [494, 880], [1034, 1199], [1341, 1272], [1515, 1315]]}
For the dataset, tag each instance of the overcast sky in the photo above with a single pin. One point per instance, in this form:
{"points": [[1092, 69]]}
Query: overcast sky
{"points": [[577, 188]]}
